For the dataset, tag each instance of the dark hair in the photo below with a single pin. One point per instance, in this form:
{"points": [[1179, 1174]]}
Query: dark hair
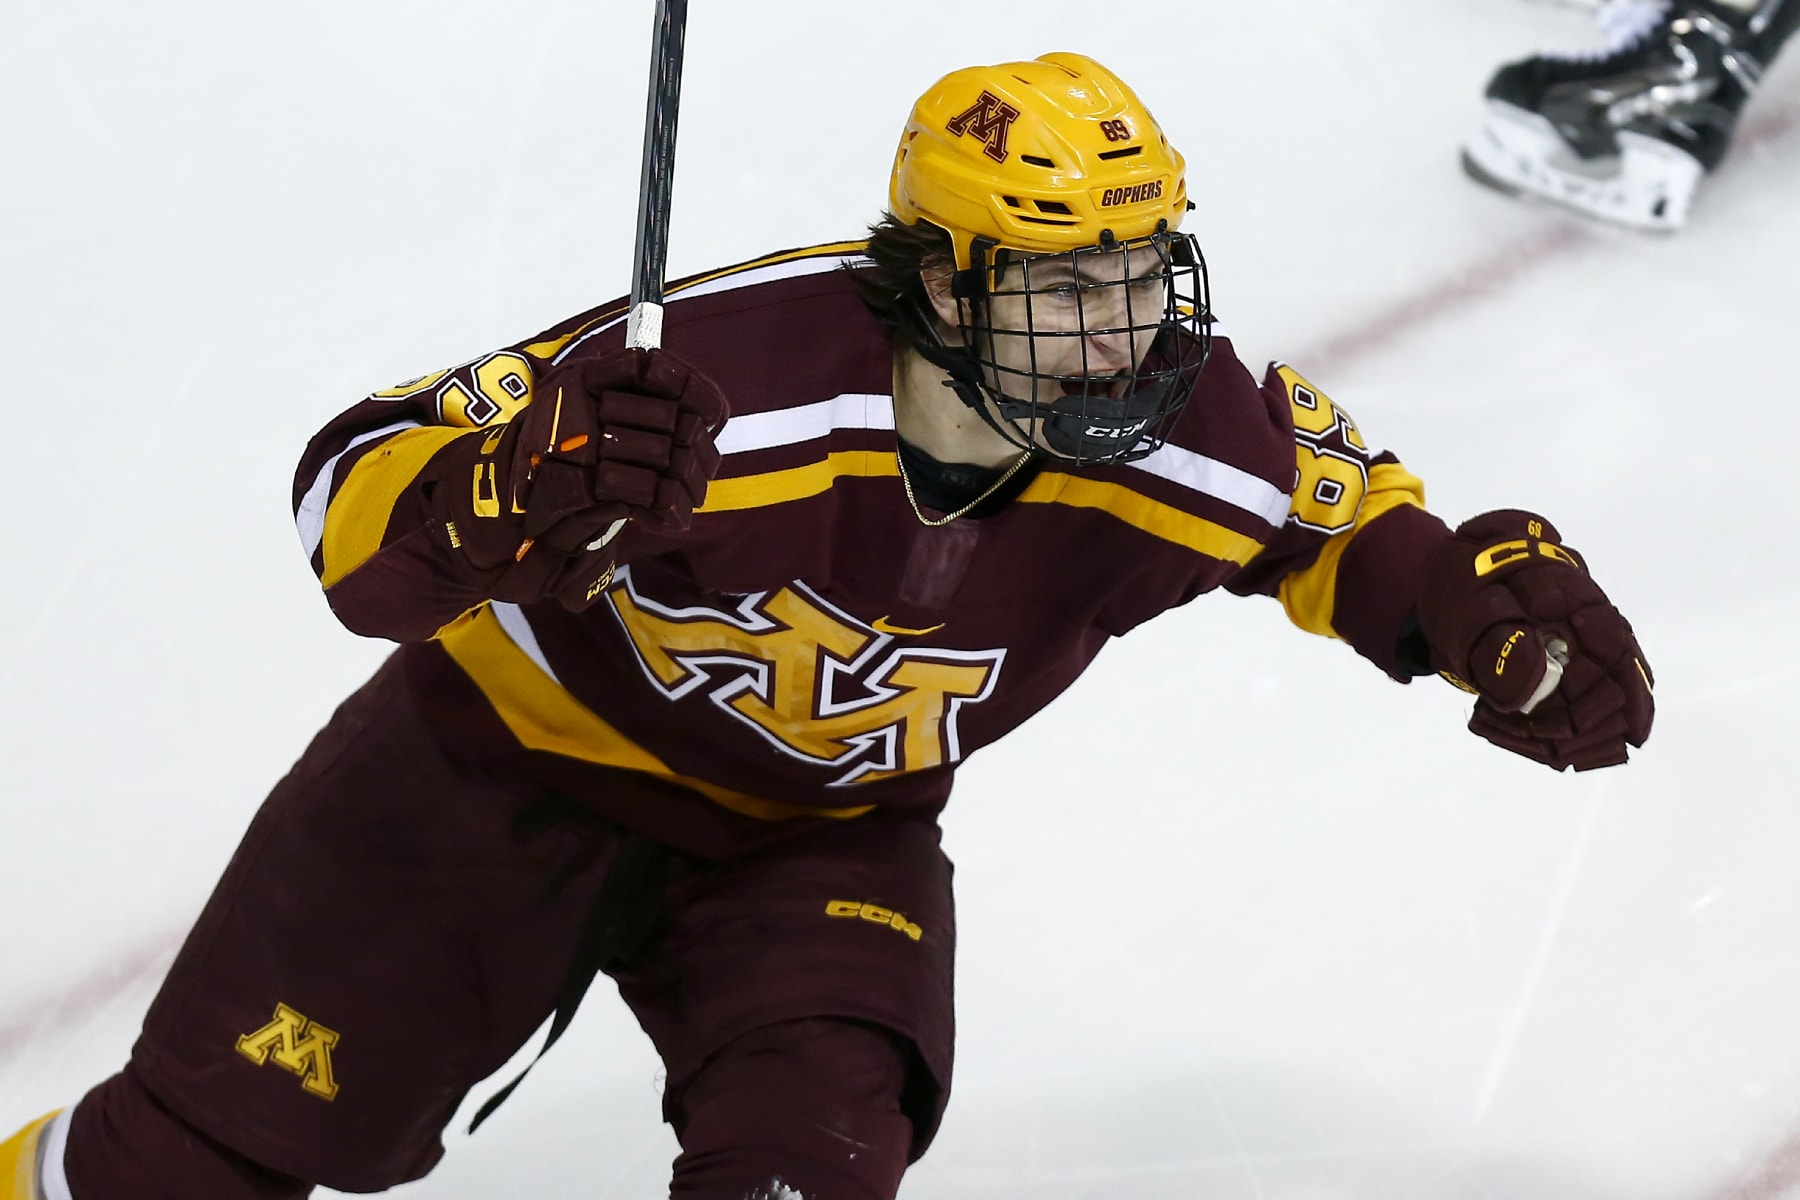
{"points": [[889, 283]]}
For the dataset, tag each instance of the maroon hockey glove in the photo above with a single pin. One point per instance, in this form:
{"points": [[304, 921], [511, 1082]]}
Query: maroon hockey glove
{"points": [[1498, 601], [531, 505]]}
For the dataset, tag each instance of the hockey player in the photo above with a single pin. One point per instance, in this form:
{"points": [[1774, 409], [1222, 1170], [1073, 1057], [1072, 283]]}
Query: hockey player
{"points": [[1625, 134], [679, 699]]}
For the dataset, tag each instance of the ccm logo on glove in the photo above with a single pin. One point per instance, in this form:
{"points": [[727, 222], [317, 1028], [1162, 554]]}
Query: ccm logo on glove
{"points": [[1508, 554]]}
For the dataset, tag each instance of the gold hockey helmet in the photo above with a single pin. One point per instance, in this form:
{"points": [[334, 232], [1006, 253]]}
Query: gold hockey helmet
{"points": [[1037, 157]]}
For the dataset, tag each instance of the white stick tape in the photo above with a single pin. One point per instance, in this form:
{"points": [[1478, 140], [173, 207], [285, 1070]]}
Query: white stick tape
{"points": [[643, 328]]}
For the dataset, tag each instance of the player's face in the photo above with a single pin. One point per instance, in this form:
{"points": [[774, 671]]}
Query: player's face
{"points": [[1072, 327], [1072, 323], [1061, 342]]}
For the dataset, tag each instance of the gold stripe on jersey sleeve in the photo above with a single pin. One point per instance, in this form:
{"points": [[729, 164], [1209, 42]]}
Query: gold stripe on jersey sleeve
{"points": [[554, 346], [551, 347], [828, 250], [796, 483], [544, 716], [1310, 595], [1152, 516], [358, 515]]}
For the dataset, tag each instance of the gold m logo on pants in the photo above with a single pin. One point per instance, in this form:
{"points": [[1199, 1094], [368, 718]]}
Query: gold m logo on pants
{"points": [[298, 1046]]}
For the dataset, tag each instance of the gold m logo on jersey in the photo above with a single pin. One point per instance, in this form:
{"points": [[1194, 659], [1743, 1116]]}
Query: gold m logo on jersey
{"points": [[989, 118], [296, 1045], [815, 682]]}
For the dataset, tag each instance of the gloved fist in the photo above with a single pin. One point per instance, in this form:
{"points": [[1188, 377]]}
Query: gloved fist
{"points": [[535, 503], [1498, 601]]}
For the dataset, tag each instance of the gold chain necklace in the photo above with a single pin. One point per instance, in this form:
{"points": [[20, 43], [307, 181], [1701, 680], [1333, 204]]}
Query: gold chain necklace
{"points": [[934, 522]]}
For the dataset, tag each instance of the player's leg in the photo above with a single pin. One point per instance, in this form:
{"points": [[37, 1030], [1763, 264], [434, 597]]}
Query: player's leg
{"points": [[1627, 132], [33, 1163], [801, 999], [158, 1152], [390, 930], [20, 1178], [813, 1106]]}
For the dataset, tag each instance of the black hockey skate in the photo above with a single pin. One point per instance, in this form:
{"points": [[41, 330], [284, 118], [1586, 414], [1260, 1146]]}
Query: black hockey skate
{"points": [[1624, 134]]}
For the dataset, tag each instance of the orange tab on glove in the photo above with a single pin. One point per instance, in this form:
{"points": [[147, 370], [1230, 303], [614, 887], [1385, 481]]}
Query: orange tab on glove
{"points": [[533, 504]]}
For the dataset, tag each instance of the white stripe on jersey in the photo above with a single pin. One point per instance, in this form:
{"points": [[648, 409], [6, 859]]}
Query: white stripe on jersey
{"points": [[512, 620], [310, 517], [790, 269], [1222, 481], [55, 1180], [784, 427]]}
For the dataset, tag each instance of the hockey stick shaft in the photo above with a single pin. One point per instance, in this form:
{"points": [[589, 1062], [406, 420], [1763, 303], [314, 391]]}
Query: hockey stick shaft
{"points": [[656, 184], [643, 328]]}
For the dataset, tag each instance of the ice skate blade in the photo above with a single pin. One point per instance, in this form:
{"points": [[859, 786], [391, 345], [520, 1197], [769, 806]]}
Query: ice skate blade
{"points": [[1648, 186]]}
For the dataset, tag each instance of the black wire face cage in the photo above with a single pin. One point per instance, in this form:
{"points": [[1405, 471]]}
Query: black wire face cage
{"points": [[1090, 353]]}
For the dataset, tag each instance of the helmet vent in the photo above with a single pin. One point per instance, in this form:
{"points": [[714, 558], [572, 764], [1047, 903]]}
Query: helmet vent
{"points": [[1048, 221], [1012, 202], [1036, 161], [1055, 206], [1127, 152]]}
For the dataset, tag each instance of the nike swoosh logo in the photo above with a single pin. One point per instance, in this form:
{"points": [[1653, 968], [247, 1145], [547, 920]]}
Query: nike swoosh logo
{"points": [[883, 625]]}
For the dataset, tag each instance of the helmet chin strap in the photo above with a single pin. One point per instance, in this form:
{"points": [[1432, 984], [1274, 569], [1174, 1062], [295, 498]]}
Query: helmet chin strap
{"points": [[965, 378], [1072, 426], [1076, 425]]}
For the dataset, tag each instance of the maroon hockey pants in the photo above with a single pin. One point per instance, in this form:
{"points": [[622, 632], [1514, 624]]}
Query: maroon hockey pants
{"points": [[394, 927]]}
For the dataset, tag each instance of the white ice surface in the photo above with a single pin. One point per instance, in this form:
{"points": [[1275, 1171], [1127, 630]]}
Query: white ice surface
{"points": [[1240, 919]]}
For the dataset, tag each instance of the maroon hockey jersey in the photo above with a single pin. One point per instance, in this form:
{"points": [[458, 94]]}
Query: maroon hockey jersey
{"points": [[808, 649]]}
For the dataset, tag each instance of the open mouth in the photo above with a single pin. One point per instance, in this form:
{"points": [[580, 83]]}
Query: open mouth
{"points": [[1108, 387]]}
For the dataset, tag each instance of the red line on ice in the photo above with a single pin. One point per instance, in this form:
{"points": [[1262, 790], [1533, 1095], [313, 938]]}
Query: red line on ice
{"points": [[1480, 280], [1499, 271], [1775, 1174]]}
